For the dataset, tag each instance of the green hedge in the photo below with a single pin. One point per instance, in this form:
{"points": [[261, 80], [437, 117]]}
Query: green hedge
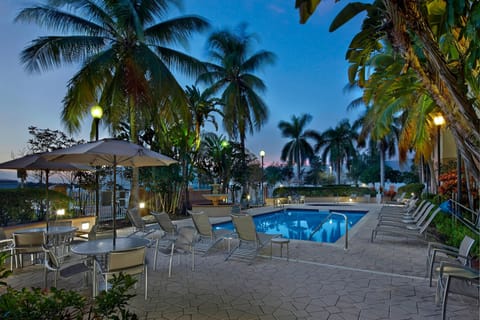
{"points": [[452, 232], [25, 204], [324, 191], [416, 188]]}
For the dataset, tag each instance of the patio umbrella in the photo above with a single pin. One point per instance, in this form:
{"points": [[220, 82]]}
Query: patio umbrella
{"points": [[37, 162], [110, 152]]}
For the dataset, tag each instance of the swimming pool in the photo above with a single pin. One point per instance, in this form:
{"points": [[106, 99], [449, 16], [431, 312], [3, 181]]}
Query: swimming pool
{"points": [[299, 224]]}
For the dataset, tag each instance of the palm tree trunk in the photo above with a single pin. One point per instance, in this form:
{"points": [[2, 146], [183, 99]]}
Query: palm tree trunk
{"points": [[447, 89], [134, 194], [338, 166], [299, 167], [382, 166]]}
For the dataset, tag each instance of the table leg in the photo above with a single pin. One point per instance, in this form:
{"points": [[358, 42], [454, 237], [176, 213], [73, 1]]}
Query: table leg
{"points": [[94, 277]]}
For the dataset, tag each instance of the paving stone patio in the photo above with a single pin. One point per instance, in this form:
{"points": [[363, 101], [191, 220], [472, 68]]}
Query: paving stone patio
{"points": [[380, 280]]}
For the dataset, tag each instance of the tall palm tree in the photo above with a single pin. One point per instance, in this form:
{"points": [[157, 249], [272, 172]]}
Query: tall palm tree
{"points": [[337, 144], [201, 106], [124, 48], [438, 42], [298, 150], [232, 73]]}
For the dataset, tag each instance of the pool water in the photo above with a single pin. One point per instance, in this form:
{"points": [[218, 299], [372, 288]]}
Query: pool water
{"points": [[299, 224]]}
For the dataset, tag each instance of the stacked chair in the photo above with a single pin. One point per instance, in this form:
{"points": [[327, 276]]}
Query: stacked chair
{"points": [[414, 227]]}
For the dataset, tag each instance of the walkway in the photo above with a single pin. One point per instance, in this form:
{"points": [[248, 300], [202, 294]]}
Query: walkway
{"points": [[380, 280]]}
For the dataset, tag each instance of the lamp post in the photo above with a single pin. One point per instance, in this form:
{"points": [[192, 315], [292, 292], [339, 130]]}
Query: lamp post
{"points": [[438, 120], [97, 113], [262, 155]]}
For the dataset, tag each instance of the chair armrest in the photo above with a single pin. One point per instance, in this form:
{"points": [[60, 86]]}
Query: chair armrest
{"points": [[458, 271], [7, 243], [438, 245]]}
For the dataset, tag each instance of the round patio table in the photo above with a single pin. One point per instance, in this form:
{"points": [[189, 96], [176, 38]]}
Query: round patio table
{"points": [[53, 230], [99, 247], [58, 237]]}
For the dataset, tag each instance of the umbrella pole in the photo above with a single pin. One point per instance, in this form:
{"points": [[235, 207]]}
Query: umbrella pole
{"points": [[114, 200], [47, 205]]}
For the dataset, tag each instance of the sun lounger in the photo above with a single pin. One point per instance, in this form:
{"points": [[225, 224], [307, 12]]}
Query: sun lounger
{"points": [[249, 240], [403, 231], [207, 236], [414, 222]]}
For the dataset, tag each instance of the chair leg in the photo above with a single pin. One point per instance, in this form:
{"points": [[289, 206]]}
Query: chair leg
{"points": [[430, 274], [171, 261], [445, 297], [155, 255], [146, 281], [193, 258], [45, 278]]}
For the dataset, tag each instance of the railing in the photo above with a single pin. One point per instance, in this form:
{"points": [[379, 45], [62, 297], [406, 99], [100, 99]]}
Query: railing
{"points": [[466, 216], [319, 226]]}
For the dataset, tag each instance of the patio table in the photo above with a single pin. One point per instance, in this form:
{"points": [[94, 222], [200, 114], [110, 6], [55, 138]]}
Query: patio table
{"points": [[99, 247], [56, 235]]}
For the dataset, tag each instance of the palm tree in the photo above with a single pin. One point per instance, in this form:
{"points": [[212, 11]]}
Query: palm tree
{"points": [[298, 150], [436, 41], [124, 49], [232, 74], [202, 107], [337, 144]]}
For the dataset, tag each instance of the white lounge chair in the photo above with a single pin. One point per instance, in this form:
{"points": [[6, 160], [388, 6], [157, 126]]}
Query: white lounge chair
{"points": [[207, 236], [249, 240], [403, 231]]}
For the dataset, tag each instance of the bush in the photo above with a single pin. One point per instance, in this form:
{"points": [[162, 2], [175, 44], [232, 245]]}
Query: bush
{"points": [[59, 304], [325, 191], [452, 232], [415, 188], [28, 204]]}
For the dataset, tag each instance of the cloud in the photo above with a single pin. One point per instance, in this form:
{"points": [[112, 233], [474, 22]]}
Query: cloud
{"points": [[276, 9]]}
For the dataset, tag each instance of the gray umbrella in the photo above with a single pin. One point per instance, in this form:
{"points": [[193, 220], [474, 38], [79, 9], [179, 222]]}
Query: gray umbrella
{"points": [[110, 152], [37, 162]]}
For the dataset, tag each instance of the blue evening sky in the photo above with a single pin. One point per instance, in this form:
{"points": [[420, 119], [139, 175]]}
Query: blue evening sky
{"points": [[309, 76]]}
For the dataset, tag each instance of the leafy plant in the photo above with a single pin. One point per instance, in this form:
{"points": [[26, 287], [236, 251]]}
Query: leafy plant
{"points": [[325, 191], [61, 304], [412, 188]]}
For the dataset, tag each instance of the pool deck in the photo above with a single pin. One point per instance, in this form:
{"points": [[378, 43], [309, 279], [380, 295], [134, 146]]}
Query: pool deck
{"points": [[380, 280]]}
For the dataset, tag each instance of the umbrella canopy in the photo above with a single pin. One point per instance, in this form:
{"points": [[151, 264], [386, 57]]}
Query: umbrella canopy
{"points": [[37, 162], [110, 152]]}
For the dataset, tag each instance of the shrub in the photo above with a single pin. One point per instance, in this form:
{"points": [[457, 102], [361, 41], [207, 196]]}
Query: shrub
{"points": [[59, 304], [452, 232], [27, 204], [415, 188], [325, 191]]}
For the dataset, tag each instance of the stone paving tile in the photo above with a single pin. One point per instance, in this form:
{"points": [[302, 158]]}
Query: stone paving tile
{"points": [[379, 280]]}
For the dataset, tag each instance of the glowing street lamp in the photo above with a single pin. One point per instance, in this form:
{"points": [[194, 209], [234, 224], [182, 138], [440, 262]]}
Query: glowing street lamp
{"points": [[438, 120], [262, 155], [97, 113]]}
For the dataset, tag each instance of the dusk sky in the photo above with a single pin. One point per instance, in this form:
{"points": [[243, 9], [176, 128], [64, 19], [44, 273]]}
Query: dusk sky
{"points": [[309, 76]]}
